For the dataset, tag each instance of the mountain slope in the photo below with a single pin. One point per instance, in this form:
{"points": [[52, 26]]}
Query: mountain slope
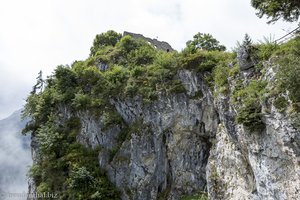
{"points": [[15, 156]]}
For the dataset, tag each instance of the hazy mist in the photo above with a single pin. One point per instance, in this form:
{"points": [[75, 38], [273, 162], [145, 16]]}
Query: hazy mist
{"points": [[15, 157]]}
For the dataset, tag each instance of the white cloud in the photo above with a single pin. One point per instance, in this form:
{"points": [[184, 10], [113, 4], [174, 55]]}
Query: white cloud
{"points": [[15, 156], [43, 34]]}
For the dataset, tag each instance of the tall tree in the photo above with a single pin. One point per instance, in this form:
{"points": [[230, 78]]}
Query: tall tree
{"points": [[288, 10], [39, 83], [246, 54]]}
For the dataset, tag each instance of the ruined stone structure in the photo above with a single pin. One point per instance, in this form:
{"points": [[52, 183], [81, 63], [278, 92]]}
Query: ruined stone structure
{"points": [[162, 45]]}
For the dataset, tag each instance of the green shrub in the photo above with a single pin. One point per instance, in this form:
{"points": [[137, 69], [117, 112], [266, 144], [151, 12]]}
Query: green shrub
{"points": [[280, 103], [114, 80], [81, 101], [111, 117], [198, 196], [248, 101], [43, 187], [220, 74], [177, 87], [110, 38], [143, 55], [204, 61], [81, 179], [234, 71], [198, 61], [127, 44], [288, 76], [166, 60], [35, 172], [250, 115], [266, 50]]}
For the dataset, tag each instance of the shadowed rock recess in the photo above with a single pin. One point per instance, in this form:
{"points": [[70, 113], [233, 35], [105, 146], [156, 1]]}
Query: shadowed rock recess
{"points": [[194, 140]]}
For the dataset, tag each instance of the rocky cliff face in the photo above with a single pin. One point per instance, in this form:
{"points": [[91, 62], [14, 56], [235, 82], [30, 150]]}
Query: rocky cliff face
{"points": [[188, 141], [248, 164], [166, 156], [184, 143], [226, 138]]}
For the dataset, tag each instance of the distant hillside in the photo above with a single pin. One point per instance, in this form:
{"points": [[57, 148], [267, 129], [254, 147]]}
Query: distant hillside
{"points": [[15, 154]]}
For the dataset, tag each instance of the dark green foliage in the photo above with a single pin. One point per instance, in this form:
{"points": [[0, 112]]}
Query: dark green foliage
{"points": [[249, 108], [204, 41], [202, 61], [280, 103], [197, 95], [67, 167], [247, 41], [127, 44], [110, 38], [289, 71], [142, 56], [39, 84], [114, 80], [164, 194], [247, 54], [288, 10], [288, 78], [65, 83], [110, 117], [250, 115]]}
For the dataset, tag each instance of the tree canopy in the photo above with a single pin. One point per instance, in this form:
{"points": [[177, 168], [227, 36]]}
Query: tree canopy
{"points": [[204, 41], [288, 10], [109, 38]]}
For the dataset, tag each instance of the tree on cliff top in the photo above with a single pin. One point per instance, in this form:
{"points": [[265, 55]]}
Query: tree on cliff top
{"points": [[109, 38], [204, 41], [288, 10]]}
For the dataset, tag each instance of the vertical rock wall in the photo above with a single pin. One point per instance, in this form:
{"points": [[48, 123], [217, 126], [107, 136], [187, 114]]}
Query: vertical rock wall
{"points": [[248, 164], [166, 156], [184, 143]]}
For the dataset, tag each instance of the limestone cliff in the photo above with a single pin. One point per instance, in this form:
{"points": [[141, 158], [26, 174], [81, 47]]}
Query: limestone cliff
{"points": [[262, 164], [194, 140], [168, 152]]}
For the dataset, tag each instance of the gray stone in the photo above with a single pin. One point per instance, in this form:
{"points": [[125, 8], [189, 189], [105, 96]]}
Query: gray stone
{"points": [[188, 143], [252, 165], [162, 45], [171, 156], [245, 58]]}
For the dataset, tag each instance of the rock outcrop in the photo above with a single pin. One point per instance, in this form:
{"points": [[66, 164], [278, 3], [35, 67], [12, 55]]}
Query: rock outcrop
{"points": [[167, 153], [185, 142], [182, 143], [255, 165]]}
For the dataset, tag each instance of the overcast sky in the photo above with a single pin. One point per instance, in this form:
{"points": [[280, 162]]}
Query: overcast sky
{"points": [[41, 34]]}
